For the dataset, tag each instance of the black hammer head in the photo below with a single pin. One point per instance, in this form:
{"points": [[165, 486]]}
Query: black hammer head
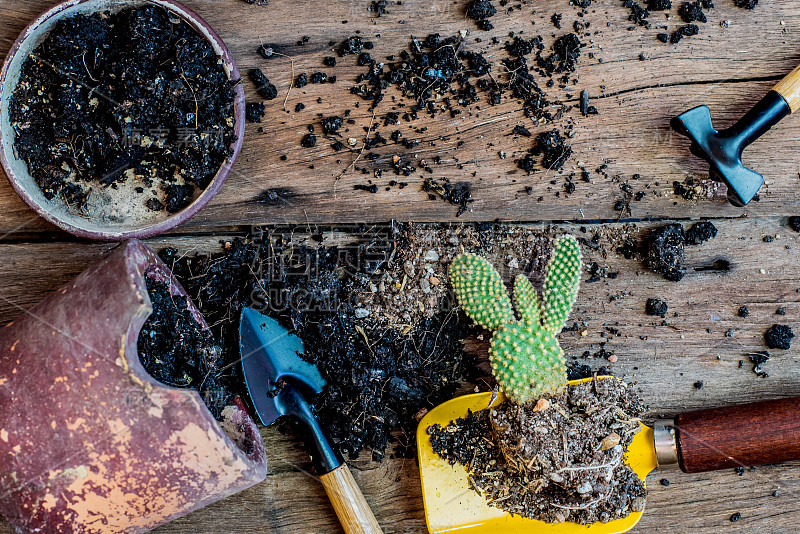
{"points": [[723, 150]]}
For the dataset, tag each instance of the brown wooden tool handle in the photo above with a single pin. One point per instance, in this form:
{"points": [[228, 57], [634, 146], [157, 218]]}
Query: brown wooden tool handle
{"points": [[351, 508], [789, 89], [751, 434]]}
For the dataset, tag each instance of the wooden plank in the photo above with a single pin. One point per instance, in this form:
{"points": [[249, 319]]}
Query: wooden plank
{"points": [[665, 360], [724, 67]]}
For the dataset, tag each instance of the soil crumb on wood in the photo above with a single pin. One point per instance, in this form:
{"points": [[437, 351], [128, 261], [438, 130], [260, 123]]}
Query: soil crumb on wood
{"points": [[138, 95], [656, 307], [779, 336], [562, 463], [665, 251], [176, 351], [700, 233]]}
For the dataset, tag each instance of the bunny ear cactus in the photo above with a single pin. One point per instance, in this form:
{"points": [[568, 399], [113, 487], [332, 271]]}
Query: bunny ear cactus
{"points": [[526, 359]]}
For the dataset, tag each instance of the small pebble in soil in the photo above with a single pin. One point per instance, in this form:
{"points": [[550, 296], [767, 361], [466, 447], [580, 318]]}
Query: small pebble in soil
{"points": [[781, 311], [656, 307], [664, 482], [254, 111], [794, 223], [743, 311], [746, 4], [698, 384], [779, 336], [735, 517]]}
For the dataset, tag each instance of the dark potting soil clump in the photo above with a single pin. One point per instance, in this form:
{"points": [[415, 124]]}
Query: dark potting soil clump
{"points": [[458, 194], [176, 351], [656, 307], [747, 4], [700, 232], [555, 152], [378, 379], [665, 251], [137, 95], [692, 11], [566, 51], [480, 11], [520, 461], [254, 111], [779, 336], [264, 87]]}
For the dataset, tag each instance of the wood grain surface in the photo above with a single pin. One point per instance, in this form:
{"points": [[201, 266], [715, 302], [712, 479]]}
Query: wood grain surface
{"points": [[728, 68]]}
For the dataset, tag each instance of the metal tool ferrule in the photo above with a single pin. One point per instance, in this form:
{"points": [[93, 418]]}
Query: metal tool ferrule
{"points": [[665, 442]]}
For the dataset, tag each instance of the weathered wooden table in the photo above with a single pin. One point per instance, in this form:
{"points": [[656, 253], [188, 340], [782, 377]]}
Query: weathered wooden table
{"points": [[728, 68]]}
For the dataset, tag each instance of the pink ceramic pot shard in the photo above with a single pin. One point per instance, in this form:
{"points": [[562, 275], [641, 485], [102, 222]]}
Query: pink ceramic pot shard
{"points": [[89, 442]]}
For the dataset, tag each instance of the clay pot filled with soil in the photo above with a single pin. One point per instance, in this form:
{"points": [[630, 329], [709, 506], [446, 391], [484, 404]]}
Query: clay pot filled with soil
{"points": [[89, 440], [119, 119]]}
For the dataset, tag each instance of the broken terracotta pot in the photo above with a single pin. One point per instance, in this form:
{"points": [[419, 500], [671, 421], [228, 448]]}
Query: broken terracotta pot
{"points": [[89, 442]]}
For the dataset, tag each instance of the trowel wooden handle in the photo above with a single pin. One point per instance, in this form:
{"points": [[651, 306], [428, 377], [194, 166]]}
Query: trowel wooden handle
{"points": [[351, 508], [789, 89], [739, 436]]}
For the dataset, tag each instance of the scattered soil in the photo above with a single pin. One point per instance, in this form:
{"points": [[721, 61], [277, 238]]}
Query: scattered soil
{"points": [[439, 75], [414, 283], [138, 97], [794, 223], [665, 251], [176, 351], [779, 336], [656, 307], [562, 463], [379, 378]]}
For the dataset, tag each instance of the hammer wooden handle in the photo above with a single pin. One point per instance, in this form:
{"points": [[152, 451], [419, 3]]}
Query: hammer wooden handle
{"points": [[351, 508], [789, 89], [751, 434]]}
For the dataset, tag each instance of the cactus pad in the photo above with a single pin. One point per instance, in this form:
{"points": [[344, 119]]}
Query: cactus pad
{"points": [[481, 291], [526, 358]]}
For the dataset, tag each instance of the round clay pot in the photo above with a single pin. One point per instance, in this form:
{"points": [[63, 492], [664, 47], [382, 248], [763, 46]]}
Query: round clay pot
{"points": [[113, 217], [89, 442]]}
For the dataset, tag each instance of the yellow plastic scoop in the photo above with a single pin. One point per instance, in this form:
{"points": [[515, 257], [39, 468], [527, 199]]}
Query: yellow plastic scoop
{"points": [[452, 506]]}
